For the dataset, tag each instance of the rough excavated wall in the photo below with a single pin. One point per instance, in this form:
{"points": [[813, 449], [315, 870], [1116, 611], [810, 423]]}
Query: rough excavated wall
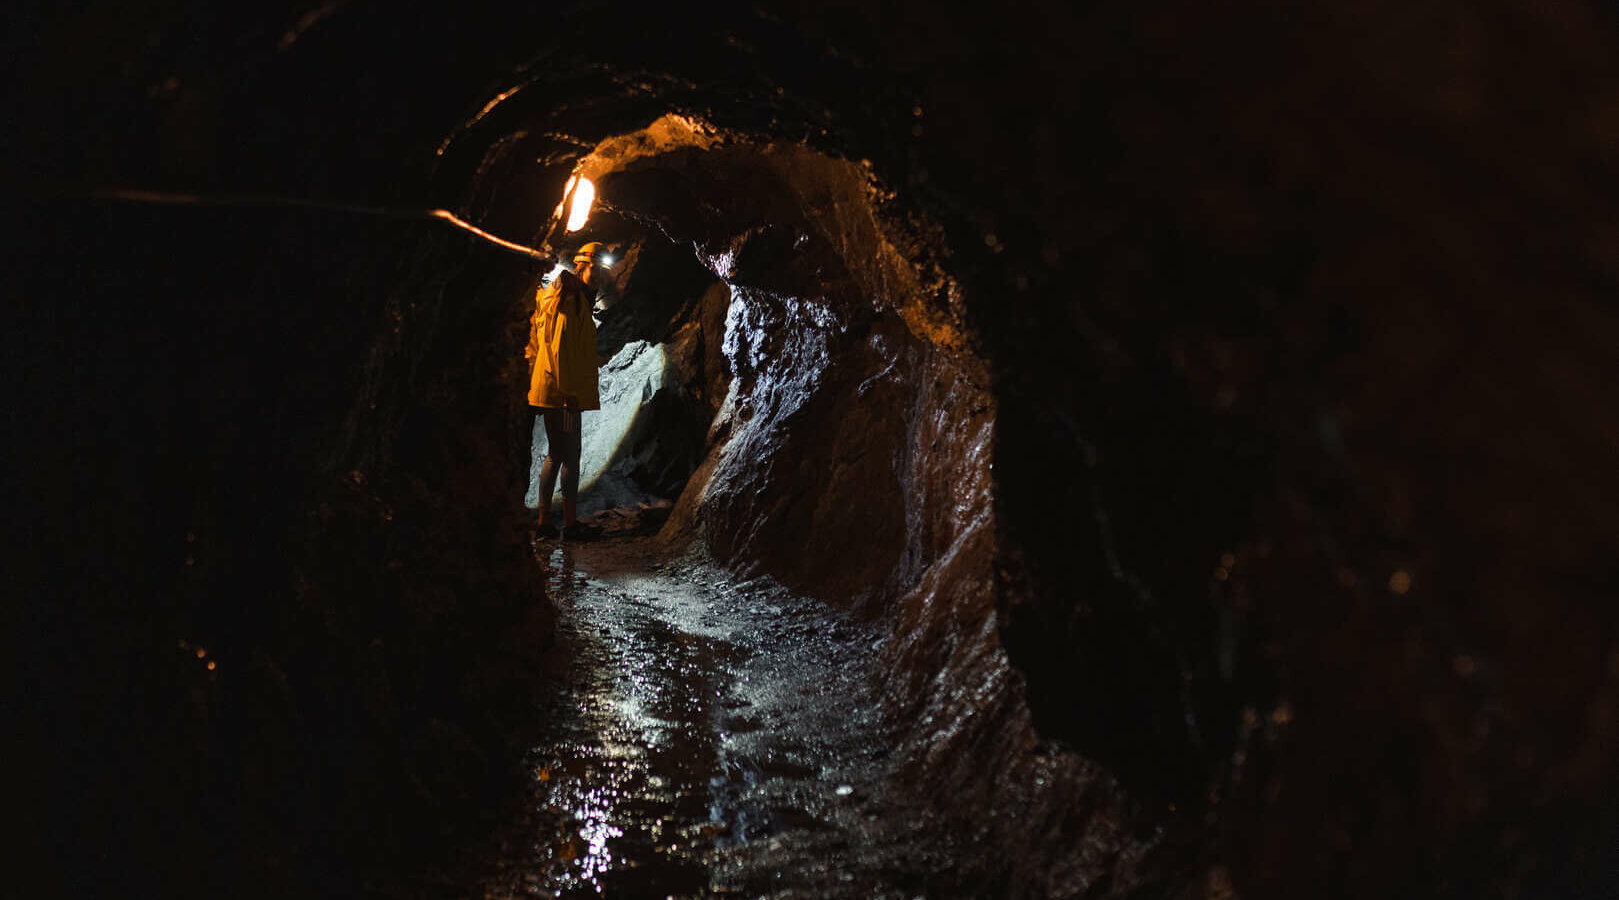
{"points": [[813, 473], [1299, 325], [853, 457], [276, 625]]}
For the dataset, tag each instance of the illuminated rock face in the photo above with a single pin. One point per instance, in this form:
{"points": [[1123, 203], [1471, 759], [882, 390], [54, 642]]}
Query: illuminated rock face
{"points": [[831, 360], [661, 379], [1297, 401], [851, 457]]}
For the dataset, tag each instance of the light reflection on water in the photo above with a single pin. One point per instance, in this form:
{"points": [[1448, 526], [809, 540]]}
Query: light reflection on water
{"points": [[597, 814], [596, 790], [604, 824], [699, 744]]}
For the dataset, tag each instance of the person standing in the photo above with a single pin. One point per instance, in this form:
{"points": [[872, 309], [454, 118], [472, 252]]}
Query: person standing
{"points": [[562, 382]]}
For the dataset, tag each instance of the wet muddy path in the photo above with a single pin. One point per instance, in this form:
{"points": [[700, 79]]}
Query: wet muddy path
{"points": [[707, 738]]}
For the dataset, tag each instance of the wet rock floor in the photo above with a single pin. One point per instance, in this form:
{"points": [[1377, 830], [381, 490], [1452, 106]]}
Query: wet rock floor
{"points": [[708, 738]]}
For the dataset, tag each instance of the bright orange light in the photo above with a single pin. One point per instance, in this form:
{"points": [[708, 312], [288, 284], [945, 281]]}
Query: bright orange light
{"points": [[584, 196], [1400, 582]]}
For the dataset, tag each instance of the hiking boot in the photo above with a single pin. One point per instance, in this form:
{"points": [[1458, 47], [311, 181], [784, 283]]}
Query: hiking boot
{"points": [[546, 531]]}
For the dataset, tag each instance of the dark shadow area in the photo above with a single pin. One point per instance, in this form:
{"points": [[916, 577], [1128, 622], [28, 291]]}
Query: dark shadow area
{"points": [[254, 647]]}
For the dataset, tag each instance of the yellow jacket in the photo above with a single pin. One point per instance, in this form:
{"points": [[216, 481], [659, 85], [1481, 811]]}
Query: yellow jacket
{"points": [[562, 347]]}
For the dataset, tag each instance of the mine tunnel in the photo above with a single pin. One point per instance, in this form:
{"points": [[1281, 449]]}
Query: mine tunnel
{"points": [[1047, 451]]}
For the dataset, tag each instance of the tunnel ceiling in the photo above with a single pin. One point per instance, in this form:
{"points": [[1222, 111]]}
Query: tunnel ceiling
{"points": [[710, 190], [478, 109]]}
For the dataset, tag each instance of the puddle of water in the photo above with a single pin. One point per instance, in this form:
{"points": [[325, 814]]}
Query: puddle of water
{"points": [[708, 739]]}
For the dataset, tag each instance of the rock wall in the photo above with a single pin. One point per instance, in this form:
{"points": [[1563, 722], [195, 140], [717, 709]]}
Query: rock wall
{"points": [[812, 468], [277, 625], [853, 457]]}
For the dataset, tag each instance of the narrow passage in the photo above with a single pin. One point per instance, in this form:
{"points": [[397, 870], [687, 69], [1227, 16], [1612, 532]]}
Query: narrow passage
{"points": [[708, 738]]}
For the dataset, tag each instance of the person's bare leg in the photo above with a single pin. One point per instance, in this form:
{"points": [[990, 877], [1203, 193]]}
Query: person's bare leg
{"points": [[570, 446], [548, 469], [548, 488]]}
